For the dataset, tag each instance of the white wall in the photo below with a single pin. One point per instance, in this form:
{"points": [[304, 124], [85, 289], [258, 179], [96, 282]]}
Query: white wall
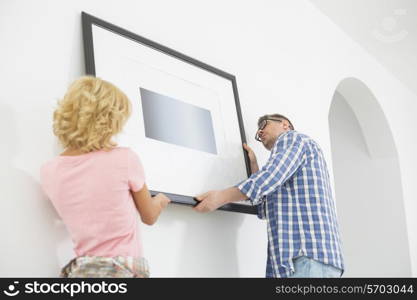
{"points": [[386, 29], [368, 191], [287, 58]]}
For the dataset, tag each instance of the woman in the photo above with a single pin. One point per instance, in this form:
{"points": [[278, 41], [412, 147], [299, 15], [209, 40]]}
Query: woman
{"points": [[98, 189]]}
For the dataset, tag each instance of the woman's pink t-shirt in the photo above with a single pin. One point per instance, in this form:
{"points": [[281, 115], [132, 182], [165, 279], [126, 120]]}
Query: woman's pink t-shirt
{"points": [[91, 193]]}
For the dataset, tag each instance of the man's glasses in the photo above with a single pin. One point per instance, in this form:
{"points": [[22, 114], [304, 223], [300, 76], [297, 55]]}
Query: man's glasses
{"points": [[262, 127]]}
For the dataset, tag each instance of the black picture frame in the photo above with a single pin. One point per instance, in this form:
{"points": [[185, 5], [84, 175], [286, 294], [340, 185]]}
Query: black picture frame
{"points": [[88, 21]]}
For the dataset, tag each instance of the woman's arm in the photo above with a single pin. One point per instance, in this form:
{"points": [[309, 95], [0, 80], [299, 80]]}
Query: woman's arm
{"points": [[149, 207]]}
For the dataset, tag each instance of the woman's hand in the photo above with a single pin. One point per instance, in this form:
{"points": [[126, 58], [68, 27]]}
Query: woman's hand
{"points": [[149, 207], [163, 200]]}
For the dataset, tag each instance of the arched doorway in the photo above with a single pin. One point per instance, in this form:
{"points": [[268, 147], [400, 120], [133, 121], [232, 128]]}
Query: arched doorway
{"points": [[367, 185]]}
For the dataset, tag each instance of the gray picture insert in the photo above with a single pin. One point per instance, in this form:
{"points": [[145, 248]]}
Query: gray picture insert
{"points": [[176, 122]]}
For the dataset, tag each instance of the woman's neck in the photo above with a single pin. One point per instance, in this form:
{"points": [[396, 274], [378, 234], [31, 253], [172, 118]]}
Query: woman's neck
{"points": [[75, 152], [72, 152]]}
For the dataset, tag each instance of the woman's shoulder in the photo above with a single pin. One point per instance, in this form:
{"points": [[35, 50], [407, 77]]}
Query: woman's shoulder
{"points": [[48, 168], [49, 163], [126, 155], [122, 150]]}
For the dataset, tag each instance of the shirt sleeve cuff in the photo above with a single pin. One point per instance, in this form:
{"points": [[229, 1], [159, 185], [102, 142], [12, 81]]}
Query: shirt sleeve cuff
{"points": [[249, 188], [261, 210]]}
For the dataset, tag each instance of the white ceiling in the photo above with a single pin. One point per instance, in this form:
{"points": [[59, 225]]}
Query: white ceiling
{"points": [[387, 29]]}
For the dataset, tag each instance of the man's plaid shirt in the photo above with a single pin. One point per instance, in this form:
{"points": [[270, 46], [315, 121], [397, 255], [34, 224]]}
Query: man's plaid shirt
{"points": [[294, 195]]}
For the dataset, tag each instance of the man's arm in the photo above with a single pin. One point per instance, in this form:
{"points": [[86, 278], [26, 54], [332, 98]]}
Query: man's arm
{"points": [[214, 199], [285, 159]]}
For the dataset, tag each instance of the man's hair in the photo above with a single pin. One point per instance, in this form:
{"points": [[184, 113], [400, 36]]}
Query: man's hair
{"points": [[275, 116], [91, 112]]}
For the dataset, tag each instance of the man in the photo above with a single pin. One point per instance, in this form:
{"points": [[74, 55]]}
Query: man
{"points": [[293, 194]]}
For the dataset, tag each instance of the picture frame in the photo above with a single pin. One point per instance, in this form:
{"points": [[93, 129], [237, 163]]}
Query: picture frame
{"points": [[178, 90]]}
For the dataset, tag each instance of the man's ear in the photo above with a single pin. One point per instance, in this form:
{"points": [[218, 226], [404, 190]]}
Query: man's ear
{"points": [[285, 124]]}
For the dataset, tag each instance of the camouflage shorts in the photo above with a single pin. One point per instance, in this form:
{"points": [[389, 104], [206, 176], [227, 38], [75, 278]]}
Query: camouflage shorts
{"points": [[110, 267]]}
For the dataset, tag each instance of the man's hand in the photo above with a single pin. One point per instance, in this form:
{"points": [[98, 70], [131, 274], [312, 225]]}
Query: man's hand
{"points": [[209, 201], [252, 158], [214, 199]]}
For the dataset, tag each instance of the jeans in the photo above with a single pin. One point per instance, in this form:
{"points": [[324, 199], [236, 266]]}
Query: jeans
{"points": [[306, 267]]}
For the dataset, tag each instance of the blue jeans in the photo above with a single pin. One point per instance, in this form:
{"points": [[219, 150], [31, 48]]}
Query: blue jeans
{"points": [[306, 267]]}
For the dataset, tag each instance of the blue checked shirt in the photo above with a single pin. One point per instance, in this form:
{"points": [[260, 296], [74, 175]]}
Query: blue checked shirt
{"points": [[293, 194]]}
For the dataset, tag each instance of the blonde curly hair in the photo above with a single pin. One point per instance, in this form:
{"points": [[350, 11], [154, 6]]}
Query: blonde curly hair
{"points": [[91, 112]]}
